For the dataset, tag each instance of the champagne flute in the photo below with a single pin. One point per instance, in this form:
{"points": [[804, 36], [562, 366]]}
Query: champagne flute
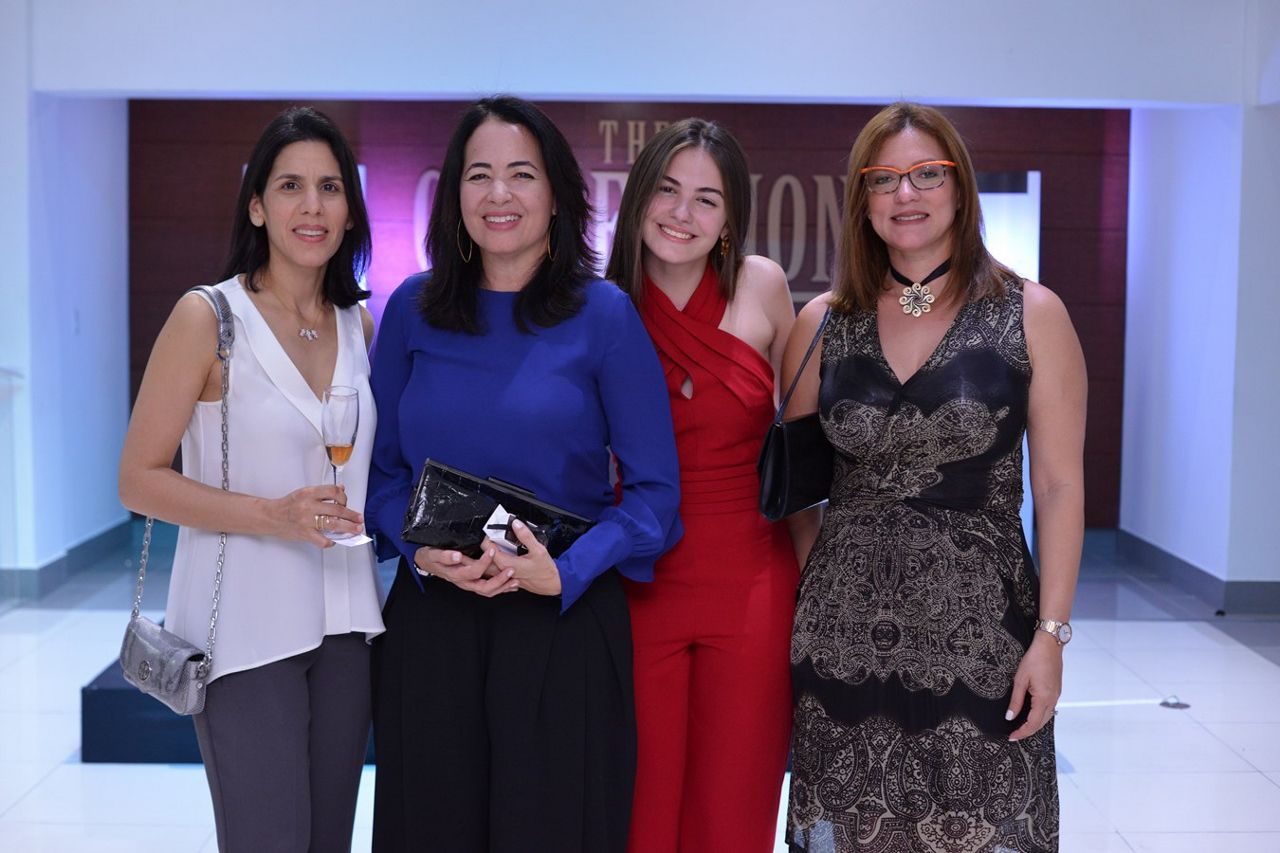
{"points": [[339, 421]]}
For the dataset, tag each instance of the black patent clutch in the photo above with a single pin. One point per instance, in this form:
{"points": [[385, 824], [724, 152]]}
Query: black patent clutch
{"points": [[453, 510], [796, 460]]}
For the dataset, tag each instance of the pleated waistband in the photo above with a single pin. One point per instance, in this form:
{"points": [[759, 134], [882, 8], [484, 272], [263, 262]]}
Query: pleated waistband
{"points": [[733, 488]]}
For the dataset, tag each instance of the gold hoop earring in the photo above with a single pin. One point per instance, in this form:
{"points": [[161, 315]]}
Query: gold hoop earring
{"points": [[551, 255], [466, 256], [724, 248]]}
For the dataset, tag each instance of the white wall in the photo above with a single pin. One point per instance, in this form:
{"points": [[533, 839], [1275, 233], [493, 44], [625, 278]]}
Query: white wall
{"points": [[996, 51], [65, 324], [1256, 469], [1255, 472], [16, 531], [79, 317], [1180, 331]]}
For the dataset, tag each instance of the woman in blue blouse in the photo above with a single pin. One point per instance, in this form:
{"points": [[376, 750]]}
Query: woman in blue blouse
{"points": [[503, 707]]}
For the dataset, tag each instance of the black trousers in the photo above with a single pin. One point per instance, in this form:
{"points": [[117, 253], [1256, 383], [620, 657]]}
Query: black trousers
{"points": [[500, 725], [283, 746]]}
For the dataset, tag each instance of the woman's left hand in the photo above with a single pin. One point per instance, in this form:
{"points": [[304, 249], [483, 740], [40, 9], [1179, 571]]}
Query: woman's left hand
{"points": [[1040, 675], [536, 572]]}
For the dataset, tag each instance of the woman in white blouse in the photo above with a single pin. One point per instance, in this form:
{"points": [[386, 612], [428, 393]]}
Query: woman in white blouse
{"points": [[286, 719]]}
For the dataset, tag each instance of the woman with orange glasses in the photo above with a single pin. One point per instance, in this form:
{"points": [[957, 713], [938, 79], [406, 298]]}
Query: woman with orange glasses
{"points": [[926, 653]]}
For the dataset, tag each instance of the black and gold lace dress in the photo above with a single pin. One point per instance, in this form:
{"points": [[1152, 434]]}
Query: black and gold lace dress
{"points": [[917, 603]]}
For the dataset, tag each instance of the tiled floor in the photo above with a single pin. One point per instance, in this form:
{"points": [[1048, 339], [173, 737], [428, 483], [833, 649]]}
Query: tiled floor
{"points": [[1134, 776]]}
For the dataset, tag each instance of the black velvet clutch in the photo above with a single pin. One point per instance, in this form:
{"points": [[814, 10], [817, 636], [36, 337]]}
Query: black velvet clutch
{"points": [[454, 510], [796, 460]]}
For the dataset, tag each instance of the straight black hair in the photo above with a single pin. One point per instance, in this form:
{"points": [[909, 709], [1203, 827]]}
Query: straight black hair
{"points": [[250, 251], [554, 293]]}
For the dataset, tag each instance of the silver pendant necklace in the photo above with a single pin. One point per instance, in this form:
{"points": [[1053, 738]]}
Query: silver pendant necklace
{"points": [[916, 298], [306, 331]]}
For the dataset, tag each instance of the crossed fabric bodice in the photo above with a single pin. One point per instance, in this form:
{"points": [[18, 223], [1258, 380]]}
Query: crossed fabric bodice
{"points": [[721, 424]]}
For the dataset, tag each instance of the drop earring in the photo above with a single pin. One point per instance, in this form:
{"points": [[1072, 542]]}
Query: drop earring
{"points": [[466, 256]]}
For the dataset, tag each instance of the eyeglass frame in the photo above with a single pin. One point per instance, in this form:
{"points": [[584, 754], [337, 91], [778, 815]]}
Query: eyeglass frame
{"points": [[904, 173]]}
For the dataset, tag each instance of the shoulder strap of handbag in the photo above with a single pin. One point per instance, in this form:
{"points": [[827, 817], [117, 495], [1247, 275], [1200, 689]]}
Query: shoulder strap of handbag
{"points": [[817, 336], [226, 336]]}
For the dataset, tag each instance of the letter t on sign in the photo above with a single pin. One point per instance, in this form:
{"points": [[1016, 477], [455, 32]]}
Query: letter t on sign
{"points": [[607, 127]]}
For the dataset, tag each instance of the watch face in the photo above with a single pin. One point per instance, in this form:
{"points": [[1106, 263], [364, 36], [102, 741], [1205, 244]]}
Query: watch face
{"points": [[1064, 633]]}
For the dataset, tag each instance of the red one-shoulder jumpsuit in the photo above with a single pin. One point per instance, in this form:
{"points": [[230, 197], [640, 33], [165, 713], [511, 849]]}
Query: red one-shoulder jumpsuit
{"points": [[711, 633]]}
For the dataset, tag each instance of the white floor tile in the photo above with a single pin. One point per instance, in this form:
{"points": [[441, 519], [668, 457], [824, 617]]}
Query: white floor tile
{"points": [[38, 737], [1115, 746], [1225, 665], [1184, 802], [176, 795], [1131, 635], [38, 685], [15, 646], [1121, 710], [780, 835], [364, 800], [100, 838], [1121, 688], [30, 621], [1256, 743], [1239, 702], [1203, 842], [1093, 666], [17, 780], [1078, 814], [1092, 842]]}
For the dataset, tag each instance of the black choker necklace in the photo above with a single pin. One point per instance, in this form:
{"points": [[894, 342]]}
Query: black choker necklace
{"points": [[916, 298]]}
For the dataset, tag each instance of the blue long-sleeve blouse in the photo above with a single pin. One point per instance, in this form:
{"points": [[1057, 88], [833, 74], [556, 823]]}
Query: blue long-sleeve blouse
{"points": [[541, 409]]}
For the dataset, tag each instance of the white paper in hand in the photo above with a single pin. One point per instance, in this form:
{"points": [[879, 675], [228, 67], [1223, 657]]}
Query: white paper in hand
{"points": [[496, 529]]}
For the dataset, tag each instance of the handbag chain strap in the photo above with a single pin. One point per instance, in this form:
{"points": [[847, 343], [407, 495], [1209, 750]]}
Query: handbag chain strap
{"points": [[817, 336], [226, 336]]}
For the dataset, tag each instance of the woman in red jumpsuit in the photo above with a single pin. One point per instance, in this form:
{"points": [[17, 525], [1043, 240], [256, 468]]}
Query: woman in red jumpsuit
{"points": [[711, 633]]}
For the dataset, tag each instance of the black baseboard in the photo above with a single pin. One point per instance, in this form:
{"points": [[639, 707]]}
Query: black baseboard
{"points": [[35, 583], [121, 725], [1244, 597]]}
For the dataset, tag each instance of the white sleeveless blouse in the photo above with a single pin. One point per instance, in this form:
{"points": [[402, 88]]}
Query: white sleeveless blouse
{"points": [[279, 598]]}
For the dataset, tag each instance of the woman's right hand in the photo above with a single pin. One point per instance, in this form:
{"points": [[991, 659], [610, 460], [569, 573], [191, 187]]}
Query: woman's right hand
{"points": [[480, 576], [308, 513]]}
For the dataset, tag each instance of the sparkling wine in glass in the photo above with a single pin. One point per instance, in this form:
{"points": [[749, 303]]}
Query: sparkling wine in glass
{"points": [[339, 422]]}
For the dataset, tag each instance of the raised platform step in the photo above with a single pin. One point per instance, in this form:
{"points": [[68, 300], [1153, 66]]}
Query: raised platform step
{"points": [[119, 724]]}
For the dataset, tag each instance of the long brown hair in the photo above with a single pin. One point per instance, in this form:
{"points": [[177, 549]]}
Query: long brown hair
{"points": [[863, 260], [626, 268]]}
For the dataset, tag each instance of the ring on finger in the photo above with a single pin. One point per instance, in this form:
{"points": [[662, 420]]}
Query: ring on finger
{"points": [[320, 522]]}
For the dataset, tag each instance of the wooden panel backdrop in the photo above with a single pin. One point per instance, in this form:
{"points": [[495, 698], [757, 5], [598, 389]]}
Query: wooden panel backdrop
{"points": [[186, 159]]}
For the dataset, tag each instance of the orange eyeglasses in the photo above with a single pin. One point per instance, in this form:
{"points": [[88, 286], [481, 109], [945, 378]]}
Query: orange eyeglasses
{"points": [[928, 175]]}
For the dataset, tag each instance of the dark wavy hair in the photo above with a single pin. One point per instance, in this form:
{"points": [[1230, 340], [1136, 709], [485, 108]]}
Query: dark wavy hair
{"points": [[626, 266], [448, 299], [250, 251], [862, 263]]}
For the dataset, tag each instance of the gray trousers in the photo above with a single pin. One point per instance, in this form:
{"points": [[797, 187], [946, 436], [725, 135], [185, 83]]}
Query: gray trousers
{"points": [[283, 745]]}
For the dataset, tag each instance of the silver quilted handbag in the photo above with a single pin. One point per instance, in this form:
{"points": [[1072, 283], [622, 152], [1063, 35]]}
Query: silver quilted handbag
{"points": [[156, 661]]}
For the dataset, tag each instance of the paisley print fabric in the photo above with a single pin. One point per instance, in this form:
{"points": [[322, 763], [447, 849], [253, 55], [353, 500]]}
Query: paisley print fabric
{"points": [[917, 603]]}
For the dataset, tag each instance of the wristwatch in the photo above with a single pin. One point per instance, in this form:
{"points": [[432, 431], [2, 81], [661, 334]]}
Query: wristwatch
{"points": [[1060, 631]]}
